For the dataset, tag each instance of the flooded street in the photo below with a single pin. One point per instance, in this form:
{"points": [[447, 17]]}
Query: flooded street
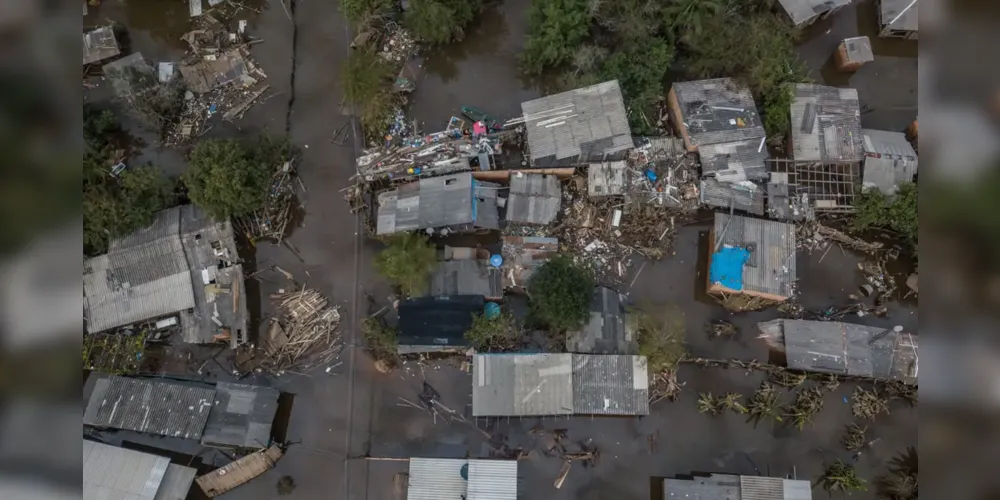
{"points": [[337, 418]]}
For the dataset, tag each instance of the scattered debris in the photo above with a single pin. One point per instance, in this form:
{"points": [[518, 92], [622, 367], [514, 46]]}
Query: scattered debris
{"points": [[786, 378], [271, 221], [664, 386], [764, 404], [304, 336], [868, 404], [907, 392], [721, 328], [841, 477], [814, 236], [808, 402], [741, 302], [854, 437]]}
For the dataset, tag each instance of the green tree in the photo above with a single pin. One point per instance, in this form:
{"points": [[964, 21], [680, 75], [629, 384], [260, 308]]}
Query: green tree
{"points": [[367, 78], [361, 12], [560, 293], [897, 213], [407, 261], [440, 21], [659, 334], [228, 177], [115, 206], [631, 21], [555, 29], [381, 339], [493, 334], [640, 70], [687, 15]]}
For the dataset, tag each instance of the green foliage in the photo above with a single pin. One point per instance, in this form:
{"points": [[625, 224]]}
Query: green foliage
{"points": [[407, 261], [114, 207], [659, 334], [440, 21], [367, 78], [898, 213], [115, 353], [900, 483], [842, 477], [631, 21], [777, 110], [227, 177], [364, 11], [688, 15], [555, 29], [639, 70], [764, 404], [560, 294], [493, 334], [381, 340]]}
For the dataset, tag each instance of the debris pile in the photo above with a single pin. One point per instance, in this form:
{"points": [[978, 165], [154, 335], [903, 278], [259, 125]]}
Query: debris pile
{"points": [[397, 44], [664, 385], [813, 235], [271, 221], [555, 444], [306, 333]]}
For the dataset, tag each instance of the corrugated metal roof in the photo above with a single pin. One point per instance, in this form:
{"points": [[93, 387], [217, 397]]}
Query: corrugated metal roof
{"points": [[588, 122], [761, 488], [801, 11], [728, 195], [466, 277], [735, 161], [437, 202], [826, 124], [606, 179], [441, 479], [718, 111], [889, 9], [845, 348], [155, 406], [610, 385], [771, 268], [176, 483], [110, 473], [436, 323], [241, 471], [99, 44], [522, 384], [797, 489], [859, 49], [534, 198], [712, 487], [607, 332], [889, 160], [241, 416]]}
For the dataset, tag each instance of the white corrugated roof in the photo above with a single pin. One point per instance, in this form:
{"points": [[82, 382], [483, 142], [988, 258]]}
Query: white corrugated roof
{"points": [[441, 479], [116, 473]]}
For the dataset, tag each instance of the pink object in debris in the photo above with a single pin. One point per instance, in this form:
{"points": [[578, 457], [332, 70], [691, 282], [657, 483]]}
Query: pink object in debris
{"points": [[478, 128]]}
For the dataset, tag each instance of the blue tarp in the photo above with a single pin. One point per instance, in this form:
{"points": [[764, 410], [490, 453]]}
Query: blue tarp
{"points": [[727, 267]]}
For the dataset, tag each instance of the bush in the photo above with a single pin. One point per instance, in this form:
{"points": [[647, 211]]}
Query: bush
{"points": [[660, 335], [382, 343], [493, 334], [897, 213], [560, 293], [777, 111], [555, 29], [365, 11], [228, 177], [440, 21], [115, 207], [367, 79], [639, 70], [407, 261]]}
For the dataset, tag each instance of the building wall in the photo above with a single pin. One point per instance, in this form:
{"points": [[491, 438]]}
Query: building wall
{"points": [[674, 108]]}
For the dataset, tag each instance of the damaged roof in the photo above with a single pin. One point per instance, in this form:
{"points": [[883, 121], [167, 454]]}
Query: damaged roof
{"points": [[111, 472], [224, 69], [844, 348], [801, 11], [889, 160], [735, 161], [747, 197], [889, 9], [608, 331], [99, 45], [771, 266], [534, 198], [718, 111], [450, 201], [826, 124], [523, 254], [606, 179], [466, 277], [169, 267], [577, 125], [734, 487], [559, 384], [241, 416], [154, 406]]}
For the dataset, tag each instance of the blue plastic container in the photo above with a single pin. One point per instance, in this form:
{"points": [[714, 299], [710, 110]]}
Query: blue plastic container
{"points": [[492, 310], [496, 260]]}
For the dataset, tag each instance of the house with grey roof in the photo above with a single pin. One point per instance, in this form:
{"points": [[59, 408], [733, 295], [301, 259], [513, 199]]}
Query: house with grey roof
{"points": [[113, 472], [806, 12], [446, 204], [241, 416], [100, 44], [844, 348], [559, 384], [577, 126], [751, 256], [609, 330], [889, 160], [718, 119], [461, 479], [533, 198], [466, 277], [826, 125], [183, 267], [898, 19], [735, 487]]}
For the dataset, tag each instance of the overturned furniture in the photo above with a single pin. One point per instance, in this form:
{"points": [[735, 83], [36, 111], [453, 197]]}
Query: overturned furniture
{"points": [[844, 348], [239, 472]]}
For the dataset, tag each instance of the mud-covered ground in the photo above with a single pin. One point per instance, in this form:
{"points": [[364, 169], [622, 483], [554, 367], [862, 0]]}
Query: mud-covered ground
{"points": [[336, 419]]}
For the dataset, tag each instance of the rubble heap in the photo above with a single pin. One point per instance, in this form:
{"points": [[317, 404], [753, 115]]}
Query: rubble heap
{"points": [[306, 333], [271, 221]]}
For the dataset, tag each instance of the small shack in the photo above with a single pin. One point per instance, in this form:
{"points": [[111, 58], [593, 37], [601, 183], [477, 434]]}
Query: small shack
{"points": [[461, 479], [450, 203], [898, 19], [436, 324], [577, 126], [805, 12], [852, 53], [844, 348], [889, 160], [100, 44], [732, 486], [826, 125], [239, 472], [533, 198], [110, 472], [751, 256], [609, 330]]}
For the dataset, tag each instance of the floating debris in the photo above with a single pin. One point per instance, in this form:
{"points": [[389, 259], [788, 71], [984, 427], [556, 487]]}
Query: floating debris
{"points": [[271, 221]]}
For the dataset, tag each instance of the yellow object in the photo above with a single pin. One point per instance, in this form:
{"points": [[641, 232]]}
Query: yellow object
{"points": [[409, 170], [740, 122]]}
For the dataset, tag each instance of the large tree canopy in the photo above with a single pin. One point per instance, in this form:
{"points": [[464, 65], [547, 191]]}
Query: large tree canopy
{"points": [[560, 294], [407, 261], [440, 21], [230, 177]]}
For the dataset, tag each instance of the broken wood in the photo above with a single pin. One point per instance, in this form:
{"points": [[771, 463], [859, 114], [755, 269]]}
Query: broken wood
{"points": [[562, 474]]}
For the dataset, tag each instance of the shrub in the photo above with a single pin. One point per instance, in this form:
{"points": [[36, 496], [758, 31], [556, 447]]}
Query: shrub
{"points": [[560, 293], [660, 335], [493, 334], [897, 213], [555, 29], [440, 21], [407, 261]]}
